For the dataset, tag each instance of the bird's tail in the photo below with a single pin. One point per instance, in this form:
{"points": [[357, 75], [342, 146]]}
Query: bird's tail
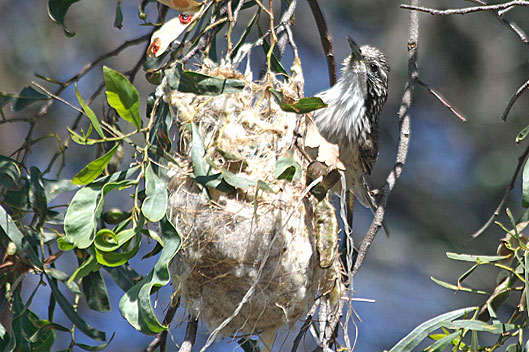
{"points": [[362, 192]]}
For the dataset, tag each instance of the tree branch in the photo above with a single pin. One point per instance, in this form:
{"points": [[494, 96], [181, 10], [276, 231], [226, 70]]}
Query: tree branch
{"points": [[515, 97], [326, 40], [466, 10], [442, 100], [404, 138], [521, 161]]}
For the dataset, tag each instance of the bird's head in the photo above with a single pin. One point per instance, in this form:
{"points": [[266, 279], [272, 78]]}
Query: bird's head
{"points": [[374, 64]]}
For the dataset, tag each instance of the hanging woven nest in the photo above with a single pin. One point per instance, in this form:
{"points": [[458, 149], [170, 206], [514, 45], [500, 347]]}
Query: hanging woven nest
{"points": [[253, 237]]}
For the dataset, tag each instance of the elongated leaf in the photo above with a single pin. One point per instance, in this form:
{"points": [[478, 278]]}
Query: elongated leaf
{"points": [[304, 105], [198, 153], [10, 228], [9, 169], [456, 288], [107, 241], [525, 186], [124, 276], [122, 96], [95, 291], [85, 209], [155, 203], [118, 19], [92, 171], [23, 99], [57, 11], [477, 325], [90, 265], [476, 258], [54, 188], [90, 113], [287, 168], [135, 305], [201, 84], [442, 343], [117, 258], [74, 317], [418, 334], [95, 348], [37, 196]]}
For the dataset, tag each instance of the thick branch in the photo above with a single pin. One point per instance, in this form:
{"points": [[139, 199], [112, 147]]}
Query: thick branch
{"points": [[326, 40], [404, 138], [466, 10]]}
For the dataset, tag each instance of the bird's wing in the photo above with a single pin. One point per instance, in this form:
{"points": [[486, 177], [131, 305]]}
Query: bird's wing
{"points": [[368, 149]]}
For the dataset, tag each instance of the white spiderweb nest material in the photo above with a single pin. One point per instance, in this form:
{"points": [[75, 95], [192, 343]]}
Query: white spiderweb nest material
{"points": [[227, 236]]}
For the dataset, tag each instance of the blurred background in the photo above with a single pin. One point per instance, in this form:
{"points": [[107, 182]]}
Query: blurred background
{"points": [[454, 178]]}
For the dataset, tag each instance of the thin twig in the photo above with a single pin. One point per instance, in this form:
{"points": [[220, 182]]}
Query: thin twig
{"points": [[91, 65], [306, 325], [64, 101], [326, 40], [521, 161], [161, 339], [404, 138], [191, 334], [466, 10], [442, 100], [514, 97], [513, 27]]}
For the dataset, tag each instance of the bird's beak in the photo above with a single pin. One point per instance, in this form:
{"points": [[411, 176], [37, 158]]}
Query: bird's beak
{"points": [[355, 49]]}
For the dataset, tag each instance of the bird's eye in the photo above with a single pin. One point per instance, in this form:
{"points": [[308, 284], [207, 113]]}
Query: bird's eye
{"points": [[373, 67], [184, 18]]}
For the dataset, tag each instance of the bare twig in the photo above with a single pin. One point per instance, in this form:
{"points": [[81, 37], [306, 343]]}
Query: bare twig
{"points": [[326, 40], [92, 64], [191, 334], [521, 161], [404, 138], [161, 339], [466, 10], [514, 97], [442, 100], [306, 325], [513, 27]]}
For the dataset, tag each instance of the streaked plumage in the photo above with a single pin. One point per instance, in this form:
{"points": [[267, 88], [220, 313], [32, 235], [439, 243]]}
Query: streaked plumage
{"points": [[351, 118]]}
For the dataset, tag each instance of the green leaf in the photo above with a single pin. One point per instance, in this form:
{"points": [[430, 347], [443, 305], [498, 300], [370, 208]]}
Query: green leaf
{"points": [[118, 19], [107, 241], [9, 169], [95, 348], [249, 345], [442, 343], [304, 105], [476, 258], [85, 209], [10, 228], [124, 276], [201, 84], [92, 171], [54, 188], [478, 325], [525, 186], [73, 316], [90, 113], [90, 265], [198, 154], [522, 135], [37, 196], [236, 180], [155, 202], [122, 96], [414, 338], [20, 101], [287, 168], [456, 288], [274, 62], [57, 11], [135, 305], [95, 291], [82, 140], [118, 258]]}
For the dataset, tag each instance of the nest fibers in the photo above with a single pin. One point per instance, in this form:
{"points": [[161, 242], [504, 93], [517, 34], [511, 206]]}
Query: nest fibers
{"points": [[249, 260]]}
